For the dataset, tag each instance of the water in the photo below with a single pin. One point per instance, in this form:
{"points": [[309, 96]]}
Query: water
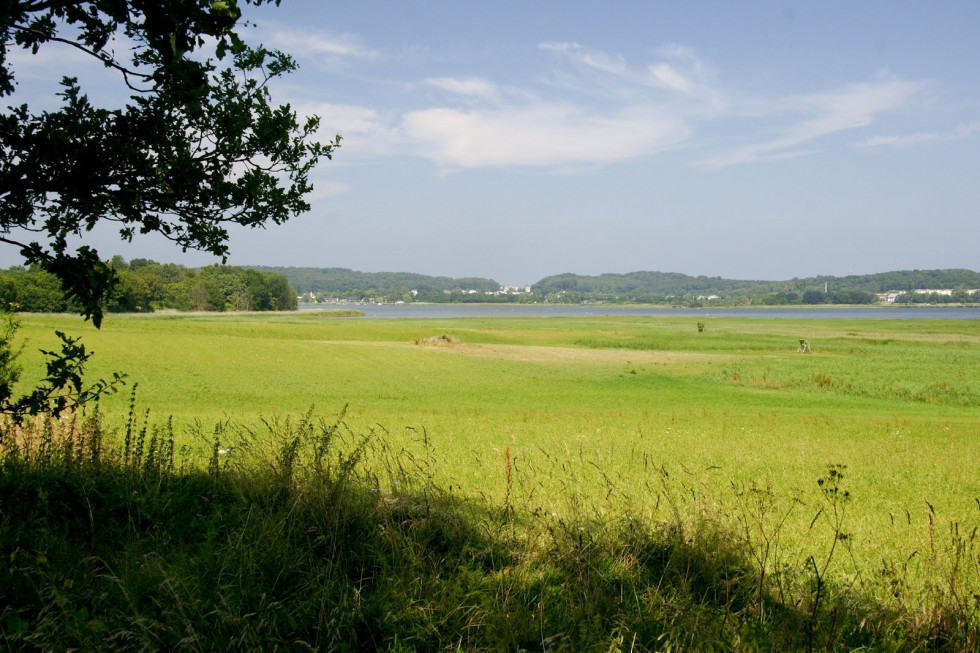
{"points": [[428, 311]]}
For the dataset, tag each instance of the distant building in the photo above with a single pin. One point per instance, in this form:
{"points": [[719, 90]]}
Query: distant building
{"points": [[890, 296]]}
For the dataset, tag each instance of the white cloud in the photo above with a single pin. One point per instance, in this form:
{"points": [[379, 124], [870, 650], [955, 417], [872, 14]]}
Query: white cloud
{"points": [[322, 46], [666, 76], [677, 78], [599, 109], [327, 189], [678, 52], [468, 86], [539, 135], [365, 131], [682, 71], [345, 118], [962, 132], [822, 114], [596, 59], [480, 123]]}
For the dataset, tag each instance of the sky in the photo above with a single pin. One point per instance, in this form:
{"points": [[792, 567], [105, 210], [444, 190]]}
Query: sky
{"points": [[516, 140]]}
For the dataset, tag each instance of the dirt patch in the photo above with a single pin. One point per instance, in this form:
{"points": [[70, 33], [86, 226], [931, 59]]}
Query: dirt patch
{"points": [[540, 354], [526, 353], [439, 341]]}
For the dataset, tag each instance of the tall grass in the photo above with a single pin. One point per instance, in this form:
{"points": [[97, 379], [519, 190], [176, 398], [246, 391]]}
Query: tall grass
{"points": [[303, 534]]}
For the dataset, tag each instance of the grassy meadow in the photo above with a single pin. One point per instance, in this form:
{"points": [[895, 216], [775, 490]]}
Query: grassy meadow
{"points": [[860, 457], [897, 402]]}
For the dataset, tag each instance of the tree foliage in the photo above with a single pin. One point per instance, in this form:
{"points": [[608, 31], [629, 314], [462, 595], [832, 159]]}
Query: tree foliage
{"points": [[62, 388], [143, 286], [344, 283], [9, 353], [196, 146], [192, 145]]}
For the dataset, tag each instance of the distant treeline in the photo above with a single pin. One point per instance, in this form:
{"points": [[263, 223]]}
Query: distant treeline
{"points": [[144, 286], [328, 284], [344, 284], [646, 287], [660, 287]]}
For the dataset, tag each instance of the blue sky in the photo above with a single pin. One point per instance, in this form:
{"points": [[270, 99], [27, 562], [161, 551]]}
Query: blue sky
{"points": [[514, 140]]}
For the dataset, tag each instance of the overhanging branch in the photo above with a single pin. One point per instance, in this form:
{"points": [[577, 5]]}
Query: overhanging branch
{"points": [[107, 61]]}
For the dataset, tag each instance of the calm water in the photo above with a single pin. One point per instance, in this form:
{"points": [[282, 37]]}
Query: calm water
{"points": [[548, 310]]}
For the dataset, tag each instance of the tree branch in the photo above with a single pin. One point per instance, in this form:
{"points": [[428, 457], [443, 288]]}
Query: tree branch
{"points": [[107, 61], [34, 7], [12, 242]]}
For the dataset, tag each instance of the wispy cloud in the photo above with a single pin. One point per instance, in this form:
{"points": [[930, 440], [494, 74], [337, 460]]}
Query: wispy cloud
{"points": [[820, 115], [960, 133], [322, 47], [327, 189], [605, 62], [598, 107], [545, 134], [668, 77], [349, 118], [680, 70], [366, 131], [475, 87], [483, 124]]}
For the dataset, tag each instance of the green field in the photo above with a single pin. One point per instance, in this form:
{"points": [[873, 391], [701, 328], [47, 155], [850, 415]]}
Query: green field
{"points": [[896, 401], [575, 426]]}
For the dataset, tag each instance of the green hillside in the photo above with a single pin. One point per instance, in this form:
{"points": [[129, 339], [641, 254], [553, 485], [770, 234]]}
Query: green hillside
{"points": [[633, 287]]}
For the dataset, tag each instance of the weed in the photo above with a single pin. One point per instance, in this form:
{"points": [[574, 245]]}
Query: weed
{"points": [[831, 512], [821, 380], [762, 520]]}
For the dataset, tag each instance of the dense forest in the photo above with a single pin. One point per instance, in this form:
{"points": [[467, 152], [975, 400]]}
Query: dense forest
{"points": [[144, 286]]}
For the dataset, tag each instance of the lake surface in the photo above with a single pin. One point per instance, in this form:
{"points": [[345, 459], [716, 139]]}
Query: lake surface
{"points": [[553, 310]]}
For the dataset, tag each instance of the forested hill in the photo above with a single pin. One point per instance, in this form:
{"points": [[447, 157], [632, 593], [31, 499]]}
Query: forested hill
{"points": [[658, 285], [909, 280], [648, 283], [381, 284], [328, 284]]}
